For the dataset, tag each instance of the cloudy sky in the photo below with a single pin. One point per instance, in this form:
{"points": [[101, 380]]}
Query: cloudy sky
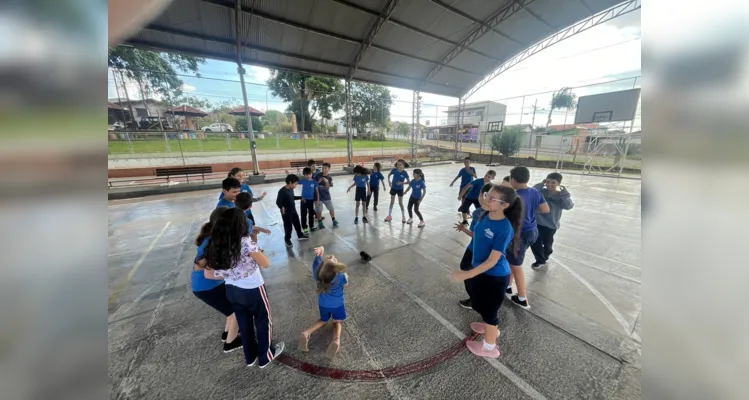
{"points": [[603, 59]]}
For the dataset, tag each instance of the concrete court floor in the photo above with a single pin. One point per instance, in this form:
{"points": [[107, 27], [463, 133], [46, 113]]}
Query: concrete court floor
{"points": [[581, 339]]}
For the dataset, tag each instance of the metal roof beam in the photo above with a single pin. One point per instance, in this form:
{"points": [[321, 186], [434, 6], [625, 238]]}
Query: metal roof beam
{"points": [[477, 21], [381, 19], [584, 4], [500, 15], [537, 18], [411, 27], [581, 26], [260, 14]]}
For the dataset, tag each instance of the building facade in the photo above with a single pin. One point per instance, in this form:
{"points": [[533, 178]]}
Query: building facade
{"points": [[479, 114]]}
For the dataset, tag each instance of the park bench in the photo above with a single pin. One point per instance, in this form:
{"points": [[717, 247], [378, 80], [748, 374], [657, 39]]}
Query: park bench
{"points": [[170, 172], [299, 165]]}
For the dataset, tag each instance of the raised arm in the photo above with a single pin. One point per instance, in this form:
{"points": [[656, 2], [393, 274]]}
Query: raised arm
{"points": [[567, 203], [316, 266]]}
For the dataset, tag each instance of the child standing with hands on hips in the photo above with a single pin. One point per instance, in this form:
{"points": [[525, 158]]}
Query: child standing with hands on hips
{"points": [[399, 179], [331, 279], [418, 193], [361, 181]]}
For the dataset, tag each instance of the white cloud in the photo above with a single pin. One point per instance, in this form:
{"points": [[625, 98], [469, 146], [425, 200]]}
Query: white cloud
{"points": [[188, 88], [258, 74]]}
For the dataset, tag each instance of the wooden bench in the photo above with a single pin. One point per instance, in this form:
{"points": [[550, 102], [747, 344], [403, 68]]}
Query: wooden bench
{"points": [[300, 165], [183, 171]]}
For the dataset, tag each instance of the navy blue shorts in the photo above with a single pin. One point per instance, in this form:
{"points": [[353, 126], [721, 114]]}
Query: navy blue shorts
{"points": [[361, 193], [487, 293], [396, 192], [527, 239], [466, 206], [338, 313], [216, 298]]}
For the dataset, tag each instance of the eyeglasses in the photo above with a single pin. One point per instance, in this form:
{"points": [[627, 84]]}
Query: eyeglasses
{"points": [[490, 198]]}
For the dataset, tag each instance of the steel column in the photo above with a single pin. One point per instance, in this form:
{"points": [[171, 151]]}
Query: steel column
{"points": [[349, 142], [240, 71]]}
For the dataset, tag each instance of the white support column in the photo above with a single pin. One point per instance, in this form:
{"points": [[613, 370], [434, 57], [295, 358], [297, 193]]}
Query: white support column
{"points": [[240, 71], [349, 142]]}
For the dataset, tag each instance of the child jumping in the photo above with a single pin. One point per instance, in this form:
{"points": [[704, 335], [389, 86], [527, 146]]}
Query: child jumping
{"points": [[418, 194], [374, 184], [490, 272], [331, 279], [361, 181], [470, 194], [231, 255], [310, 197], [558, 199], [399, 179]]}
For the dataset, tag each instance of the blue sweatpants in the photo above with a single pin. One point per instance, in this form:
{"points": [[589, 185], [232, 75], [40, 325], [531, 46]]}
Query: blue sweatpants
{"points": [[251, 307]]}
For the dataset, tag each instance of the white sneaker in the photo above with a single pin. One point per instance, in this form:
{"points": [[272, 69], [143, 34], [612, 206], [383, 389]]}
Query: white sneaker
{"points": [[422, 224], [410, 221]]}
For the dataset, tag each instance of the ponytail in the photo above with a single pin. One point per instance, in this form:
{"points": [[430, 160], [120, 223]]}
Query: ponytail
{"points": [[419, 172], [515, 212], [234, 171], [205, 231]]}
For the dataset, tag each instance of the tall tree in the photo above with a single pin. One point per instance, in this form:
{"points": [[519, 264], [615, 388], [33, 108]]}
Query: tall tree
{"points": [[309, 95], [562, 99], [507, 142], [370, 106]]}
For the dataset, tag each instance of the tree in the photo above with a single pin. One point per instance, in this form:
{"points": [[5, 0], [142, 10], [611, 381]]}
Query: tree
{"points": [[562, 99], [192, 101], [320, 94], [402, 128], [275, 118], [370, 106], [507, 143], [257, 125]]}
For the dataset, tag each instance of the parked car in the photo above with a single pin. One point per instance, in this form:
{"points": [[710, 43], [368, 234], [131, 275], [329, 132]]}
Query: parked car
{"points": [[153, 123], [218, 127]]}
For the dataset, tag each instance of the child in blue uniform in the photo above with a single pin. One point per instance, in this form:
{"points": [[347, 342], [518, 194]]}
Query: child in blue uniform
{"points": [[470, 194], [361, 181], [399, 180], [418, 193], [310, 197], [238, 174], [466, 174], [230, 188], [465, 263], [374, 184], [244, 203], [490, 272], [331, 279]]}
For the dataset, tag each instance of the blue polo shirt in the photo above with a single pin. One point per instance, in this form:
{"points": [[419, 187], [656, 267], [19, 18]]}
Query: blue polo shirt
{"points": [[474, 219], [417, 188], [334, 297], [224, 203], [492, 235], [375, 178], [361, 180], [324, 191], [532, 198], [465, 176], [199, 282], [475, 191], [308, 188], [398, 177]]}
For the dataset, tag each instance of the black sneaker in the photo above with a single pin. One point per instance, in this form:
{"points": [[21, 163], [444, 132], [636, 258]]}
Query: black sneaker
{"points": [[314, 228], [276, 350], [521, 303], [236, 344], [303, 237], [537, 265], [224, 336], [356, 221], [466, 304], [509, 291], [365, 220], [465, 222], [289, 244], [375, 208]]}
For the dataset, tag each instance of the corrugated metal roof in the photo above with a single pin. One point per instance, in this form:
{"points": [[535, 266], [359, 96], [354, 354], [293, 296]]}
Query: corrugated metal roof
{"points": [[325, 36]]}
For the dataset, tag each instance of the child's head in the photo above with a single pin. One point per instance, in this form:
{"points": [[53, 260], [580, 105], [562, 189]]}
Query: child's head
{"points": [[484, 189], [359, 170], [418, 173], [377, 167], [401, 164], [506, 181], [553, 180], [325, 168], [507, 200], [237, 173], [243, 201], [291, 181], [311, 163], [490, 174], [519, 176], [205, 230], [307, 172], [224, 250], [327, 272], [231, 188], [467, 161]]}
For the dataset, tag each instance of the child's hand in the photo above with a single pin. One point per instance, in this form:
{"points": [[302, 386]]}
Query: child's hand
{"points": [[349, 189], [451, 185], [460, 227], [264, 194], [283, 210], [319, 251], [265, 231], [458, 276]]}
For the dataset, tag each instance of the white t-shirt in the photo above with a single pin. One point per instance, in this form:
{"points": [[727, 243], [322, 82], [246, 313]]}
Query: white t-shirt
{"points": [[246, 274]]}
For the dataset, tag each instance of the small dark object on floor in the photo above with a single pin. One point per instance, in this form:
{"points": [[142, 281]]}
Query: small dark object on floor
{"points": [[366, 257]]}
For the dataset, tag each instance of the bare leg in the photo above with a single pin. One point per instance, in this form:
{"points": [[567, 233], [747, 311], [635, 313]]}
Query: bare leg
{"points": [[491, 334], [336, 343], [332, 214], [304, 337], [232, 327], [519, 275], [403, 210], [392, 201], [357, 209]]}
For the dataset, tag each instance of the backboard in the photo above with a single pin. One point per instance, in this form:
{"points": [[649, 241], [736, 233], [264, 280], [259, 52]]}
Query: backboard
{"points": [[494, 126], [607, 107]]}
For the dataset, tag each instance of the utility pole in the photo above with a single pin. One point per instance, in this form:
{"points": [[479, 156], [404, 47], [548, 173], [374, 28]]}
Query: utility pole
{"points": [[533, 121]]}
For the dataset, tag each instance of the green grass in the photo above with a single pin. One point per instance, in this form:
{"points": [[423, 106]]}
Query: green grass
{"points": [[220, 144]]}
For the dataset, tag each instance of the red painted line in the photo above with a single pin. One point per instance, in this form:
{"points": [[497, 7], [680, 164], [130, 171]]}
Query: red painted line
{"points": [[374, 374]]}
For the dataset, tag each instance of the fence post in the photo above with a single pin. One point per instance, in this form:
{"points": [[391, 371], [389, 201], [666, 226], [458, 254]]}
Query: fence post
{"points": [[559, 153], [129, 143], [166, 143], [278, 146], [179, 141], [228, 142]]}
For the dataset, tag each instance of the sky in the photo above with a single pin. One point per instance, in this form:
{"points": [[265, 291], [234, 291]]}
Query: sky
{"points": [[609, 52]]}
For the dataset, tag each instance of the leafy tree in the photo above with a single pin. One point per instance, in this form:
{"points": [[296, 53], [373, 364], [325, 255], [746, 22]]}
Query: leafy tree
{"points": [[507, 142], [257, 124], [192, 101], [402, 128], [562, 99], [275, 118], [370, 106], [309, 95]]}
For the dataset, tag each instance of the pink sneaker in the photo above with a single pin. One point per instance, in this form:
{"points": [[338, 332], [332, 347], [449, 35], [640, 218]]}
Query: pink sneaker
{"points": [[478, 349], [478, 327], [388, 218], [422, 224], [404, 220]]}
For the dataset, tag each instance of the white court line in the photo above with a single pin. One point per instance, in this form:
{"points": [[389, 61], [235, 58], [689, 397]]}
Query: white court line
{"points": [[518, 381], [598, 256], [617, 315]]}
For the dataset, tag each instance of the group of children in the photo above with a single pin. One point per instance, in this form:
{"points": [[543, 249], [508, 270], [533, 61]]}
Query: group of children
{"points": [[507, 219]]}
